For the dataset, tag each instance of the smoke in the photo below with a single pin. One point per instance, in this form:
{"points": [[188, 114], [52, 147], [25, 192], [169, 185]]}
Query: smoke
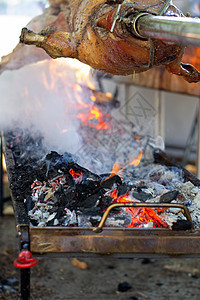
{"points": [[45, 99], [40, 97]]}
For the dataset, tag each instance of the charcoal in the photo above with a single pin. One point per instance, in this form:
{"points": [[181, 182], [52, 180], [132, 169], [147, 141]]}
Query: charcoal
{"points": [[34, 222], [50, 223], [141, 188], [104, 176], [134, 298], [90, 182], [94, 222], [122, 189], [66, 197], [86, 173], [91, 211], [54, 157], [124, 286], [142, 196], [110, 181], [87, 187], [89, 202], [29, 203], [182, 225], [105, 201], [169, 196]]}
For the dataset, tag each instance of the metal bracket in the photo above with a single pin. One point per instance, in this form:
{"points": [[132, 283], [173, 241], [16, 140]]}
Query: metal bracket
{"points": [[117, 18], [148, 205]]}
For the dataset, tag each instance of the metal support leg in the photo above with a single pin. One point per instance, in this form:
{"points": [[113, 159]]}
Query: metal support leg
{"points": [[25, 284], [24, 273]]}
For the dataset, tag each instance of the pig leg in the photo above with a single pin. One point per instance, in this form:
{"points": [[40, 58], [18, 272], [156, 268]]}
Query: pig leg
{"points": [[189, 72], [55, 42]]}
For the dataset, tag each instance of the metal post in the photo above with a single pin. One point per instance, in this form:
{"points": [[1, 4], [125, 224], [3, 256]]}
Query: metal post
{"points": [[25, 284], [25, 272]]}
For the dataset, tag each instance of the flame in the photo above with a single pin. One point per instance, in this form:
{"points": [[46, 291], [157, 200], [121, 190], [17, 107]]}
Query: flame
{"points": [[109, 95], [139, 216], [54, 75], [147, 215], [135, 162], [115, 170], [93, 118], [93, 98]]}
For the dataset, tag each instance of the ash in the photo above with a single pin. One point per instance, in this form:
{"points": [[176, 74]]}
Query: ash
{"points": [[57, 191]]}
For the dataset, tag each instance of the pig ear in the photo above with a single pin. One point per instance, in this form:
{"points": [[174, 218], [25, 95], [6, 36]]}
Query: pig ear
{"points": [[189, 72]]}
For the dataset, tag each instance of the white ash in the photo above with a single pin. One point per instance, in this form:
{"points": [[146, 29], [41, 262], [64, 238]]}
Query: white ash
{"points": [[169, 218], [192, 196], [70, 218]]}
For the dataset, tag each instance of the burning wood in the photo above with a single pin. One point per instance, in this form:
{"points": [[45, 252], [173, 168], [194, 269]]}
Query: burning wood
{"points": [[88, 31]]}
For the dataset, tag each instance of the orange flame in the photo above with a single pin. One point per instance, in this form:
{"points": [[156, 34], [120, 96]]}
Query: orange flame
{"points": [[135, 162], [115, 170], [93, 118], [139, 216]]}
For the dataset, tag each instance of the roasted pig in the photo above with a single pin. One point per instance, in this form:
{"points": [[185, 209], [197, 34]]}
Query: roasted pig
{"points": [[84, 30]]}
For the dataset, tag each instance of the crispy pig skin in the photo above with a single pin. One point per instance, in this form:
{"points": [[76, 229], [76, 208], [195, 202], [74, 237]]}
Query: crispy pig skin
{"points": [[82, 28]]}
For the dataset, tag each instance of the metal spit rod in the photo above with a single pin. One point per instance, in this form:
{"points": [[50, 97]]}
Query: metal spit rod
{"points": [[182, 30]]}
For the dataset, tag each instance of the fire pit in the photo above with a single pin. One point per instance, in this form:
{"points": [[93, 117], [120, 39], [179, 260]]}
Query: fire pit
{"points": [[154, 236]]}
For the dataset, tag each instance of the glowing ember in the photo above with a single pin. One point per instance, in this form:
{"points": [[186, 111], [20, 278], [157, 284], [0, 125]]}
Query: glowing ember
{"points": [[139, 216], [75, 175], [147, 215]]}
